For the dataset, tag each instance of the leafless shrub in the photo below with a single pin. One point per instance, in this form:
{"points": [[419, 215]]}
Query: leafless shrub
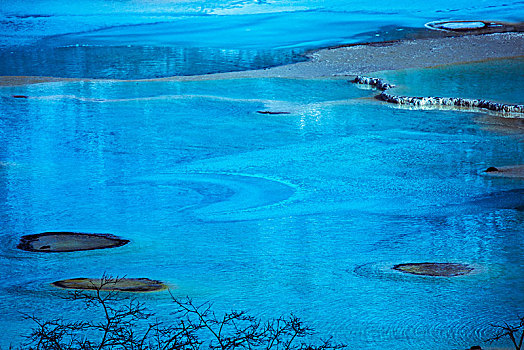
{"points": [[126, 324], [515, 332]]}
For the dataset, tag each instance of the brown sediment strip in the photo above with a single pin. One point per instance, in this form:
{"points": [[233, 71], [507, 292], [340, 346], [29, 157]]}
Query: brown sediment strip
{"points": [[435, 101], [61, 242], [120, 284], [27, 80], [434, 269]]}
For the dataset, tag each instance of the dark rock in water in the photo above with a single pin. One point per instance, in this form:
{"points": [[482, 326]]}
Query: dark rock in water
{"points": [[434, 269], [57, 242], [20, 96], [270, 112], [376, 82], [491, 169], [120, 284]]}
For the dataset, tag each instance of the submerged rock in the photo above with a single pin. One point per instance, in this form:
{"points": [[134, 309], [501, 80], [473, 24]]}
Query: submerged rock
{"points": [[58, 242], [434, 269], [120, 284], [271, 112]]}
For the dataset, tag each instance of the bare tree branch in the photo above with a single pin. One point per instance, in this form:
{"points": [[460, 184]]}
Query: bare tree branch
{"points": [[123, 324], [515, 332]]}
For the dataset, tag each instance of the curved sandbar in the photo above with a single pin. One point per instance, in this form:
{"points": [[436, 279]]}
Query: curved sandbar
{"points": [[60, 242], [121, 284], [434, 269]]}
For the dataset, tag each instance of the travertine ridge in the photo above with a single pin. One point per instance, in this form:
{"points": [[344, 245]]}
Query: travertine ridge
{"points": [[435, 101]]}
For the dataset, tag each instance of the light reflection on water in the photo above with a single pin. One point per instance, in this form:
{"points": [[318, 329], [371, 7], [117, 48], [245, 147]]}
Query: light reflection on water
{"points": [[137, 62]]}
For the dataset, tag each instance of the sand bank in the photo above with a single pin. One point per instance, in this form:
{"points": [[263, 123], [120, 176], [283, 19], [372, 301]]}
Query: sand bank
{"points": [[364, 58], [421, 53]]}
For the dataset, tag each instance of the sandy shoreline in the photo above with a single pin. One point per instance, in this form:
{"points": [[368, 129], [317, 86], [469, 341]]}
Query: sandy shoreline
{"points": [[420, 53], [360, 59]]}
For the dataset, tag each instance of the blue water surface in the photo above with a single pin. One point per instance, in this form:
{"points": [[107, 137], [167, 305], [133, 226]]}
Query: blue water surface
{"points": [[305, 212], [140, 39], [491, 80]]}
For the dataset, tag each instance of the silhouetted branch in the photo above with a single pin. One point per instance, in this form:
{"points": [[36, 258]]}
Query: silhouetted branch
{"points": [[196, 327], [514, 332]]}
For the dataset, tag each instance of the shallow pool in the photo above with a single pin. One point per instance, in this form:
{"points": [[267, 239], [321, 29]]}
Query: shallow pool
{"points": [[305, 212]]}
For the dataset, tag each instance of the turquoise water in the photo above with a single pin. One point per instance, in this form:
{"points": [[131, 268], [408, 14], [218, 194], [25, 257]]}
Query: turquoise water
{"points": [[303, 212], [140, 39], [492, 80]]}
